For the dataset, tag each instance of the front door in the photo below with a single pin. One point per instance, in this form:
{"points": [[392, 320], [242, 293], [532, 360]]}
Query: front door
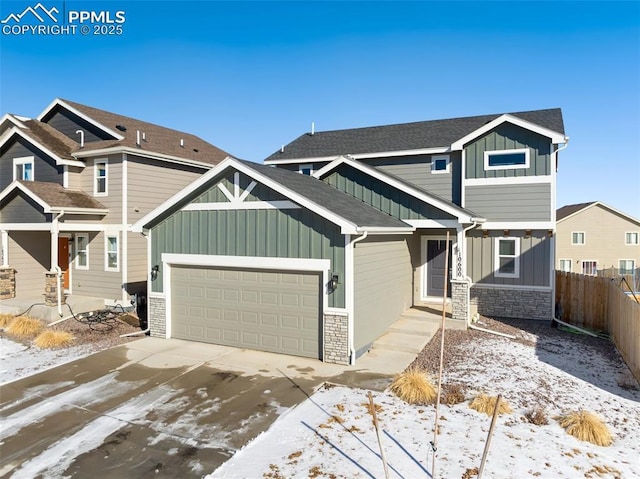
{"points": [[435, 268], [63, 260]]}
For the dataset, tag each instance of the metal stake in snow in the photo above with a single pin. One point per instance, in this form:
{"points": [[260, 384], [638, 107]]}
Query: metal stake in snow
{"points": [[444, 313], [375, 424], [488, 443]]}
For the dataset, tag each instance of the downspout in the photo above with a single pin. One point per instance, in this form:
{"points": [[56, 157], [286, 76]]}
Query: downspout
{"points": [[466, 277], [352, 352], [56, 230]]}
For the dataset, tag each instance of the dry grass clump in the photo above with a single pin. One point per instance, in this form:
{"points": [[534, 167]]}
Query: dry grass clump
{"points": [[486, 404], [414, 387], [453, 394], [537, 416], [54, 339], [24, 327], [586, 426], [5, 319]]}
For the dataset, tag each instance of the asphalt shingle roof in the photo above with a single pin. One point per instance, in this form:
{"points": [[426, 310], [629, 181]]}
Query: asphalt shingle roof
{"points": [[404, 136], [568, 210], [56, 196], [50, 138]]}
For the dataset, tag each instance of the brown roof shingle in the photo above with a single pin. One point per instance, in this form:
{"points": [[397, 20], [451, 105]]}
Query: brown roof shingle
{"points": [[568, 210], [56, 196]]}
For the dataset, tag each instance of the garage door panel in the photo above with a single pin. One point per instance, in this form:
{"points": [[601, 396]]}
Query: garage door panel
{"points": [[266, 310]]}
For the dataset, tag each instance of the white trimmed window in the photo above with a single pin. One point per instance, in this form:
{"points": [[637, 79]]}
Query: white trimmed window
{"points": [[565, 265], [577, 237], [627, 266], [440, 164], [100, 177], [631, 237], [306, 169], [506, 159], [82, 251], [23, 168], [507, 258], [589, 267], [111, 256]]}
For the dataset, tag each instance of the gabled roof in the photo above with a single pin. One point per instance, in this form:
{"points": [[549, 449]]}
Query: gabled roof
{"points": [[405, 136], [352, 215], [45, 138], [157, 139], [53, 197], [570, 210]]}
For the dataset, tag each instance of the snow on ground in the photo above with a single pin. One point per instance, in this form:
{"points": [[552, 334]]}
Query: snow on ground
{"points": [[332, 435]]}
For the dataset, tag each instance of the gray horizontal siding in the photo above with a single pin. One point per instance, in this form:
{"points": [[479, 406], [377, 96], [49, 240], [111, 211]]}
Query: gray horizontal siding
{"points": [[30, 255], [381, 195], [535, 258], [68, 123], [113, 200], [96, 282], [527, 202], [506, 137], [44, 167], [18, 208], [382, 286]]}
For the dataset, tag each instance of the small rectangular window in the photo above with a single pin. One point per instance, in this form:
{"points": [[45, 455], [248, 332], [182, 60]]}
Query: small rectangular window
{"points": [[577, 237], [631, 237], [565, 265], [100, 177], [306, 169], [23, 168], [111, 253], [506, 159], [82, 251], [440, 164], [627, 266], [589, 267], [507, 257]]}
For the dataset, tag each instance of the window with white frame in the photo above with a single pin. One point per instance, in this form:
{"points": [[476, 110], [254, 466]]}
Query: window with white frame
{"points": [[627, 266], [440, 164], [23, 168], [306, 169], [577, 237], [100, 178], [82, 251], [631, 237], [589, 267], [507, 258], [111, 256], [506, 159], [565, 265]]}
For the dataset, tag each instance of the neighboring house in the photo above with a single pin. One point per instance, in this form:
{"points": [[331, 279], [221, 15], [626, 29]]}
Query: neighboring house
{"points": [[320, 250], [594, 236], [72, 182]]}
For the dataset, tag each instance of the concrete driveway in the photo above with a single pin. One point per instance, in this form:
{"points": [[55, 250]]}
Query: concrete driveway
{"points": [[157, 408]]}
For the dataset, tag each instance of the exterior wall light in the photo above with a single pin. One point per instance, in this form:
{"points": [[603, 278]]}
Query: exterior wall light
{"points": [[154, 272]]}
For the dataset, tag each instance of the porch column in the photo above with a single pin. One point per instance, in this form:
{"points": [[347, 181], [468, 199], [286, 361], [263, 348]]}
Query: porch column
{"points": [[54, 250]]}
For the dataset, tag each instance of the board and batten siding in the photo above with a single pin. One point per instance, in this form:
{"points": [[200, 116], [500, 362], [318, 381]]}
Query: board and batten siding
{"points": [[290, 233], [44, 167], [535, 253], [382, 286], [526, 202], [151, 182], [18, 208], [506, 137], [30, 256], [113, 199], [381, 195], [68, 123], [95, 281], [417, 171]]}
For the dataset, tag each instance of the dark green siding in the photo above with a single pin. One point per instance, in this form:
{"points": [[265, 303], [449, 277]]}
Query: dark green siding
{"points": [[506, 137], [382, 196]]}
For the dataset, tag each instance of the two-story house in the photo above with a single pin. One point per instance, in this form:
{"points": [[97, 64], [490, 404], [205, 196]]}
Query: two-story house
{"points": [[592, 237], [72, 181], [320, 250]]}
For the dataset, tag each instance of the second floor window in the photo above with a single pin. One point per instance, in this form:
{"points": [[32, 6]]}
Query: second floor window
{"points": [[439, 164], [631, 237], [506, 159], [23, 168], [306, 169], [577, 237], [100, 177]]}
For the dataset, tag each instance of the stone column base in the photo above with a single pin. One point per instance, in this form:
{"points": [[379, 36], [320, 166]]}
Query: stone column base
{"points": [[336, 339], [7, 283], [460, 300], [157, 312], [51, 290]]}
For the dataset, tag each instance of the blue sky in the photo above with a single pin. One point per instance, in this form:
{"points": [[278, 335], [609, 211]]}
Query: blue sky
{"points": [[251, 76]]}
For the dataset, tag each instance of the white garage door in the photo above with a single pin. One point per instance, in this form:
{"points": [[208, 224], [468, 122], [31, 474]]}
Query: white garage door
{"points": [[277, 311]]}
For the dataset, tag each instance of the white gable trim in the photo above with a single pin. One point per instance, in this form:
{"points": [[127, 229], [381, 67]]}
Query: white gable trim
{"points": [[242, 205], [607, 207], [555, 136], [462, 216], [59, 161], [66, 106], [141, 153], [46, 206], [12, 119]]}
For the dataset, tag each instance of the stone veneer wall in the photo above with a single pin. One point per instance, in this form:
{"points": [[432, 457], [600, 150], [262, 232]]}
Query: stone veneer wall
{"points": [[51, 290], [512, 303], [157, 316], [336, 339], [460, 300], [7, 283]]}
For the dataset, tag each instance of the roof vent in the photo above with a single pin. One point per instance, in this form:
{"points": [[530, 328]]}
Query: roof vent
{"points": [[196, 150], [121, 127], [181, 143]]}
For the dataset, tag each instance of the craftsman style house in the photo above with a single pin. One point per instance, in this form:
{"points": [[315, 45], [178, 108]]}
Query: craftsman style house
{"points": [[317, 252], [72, 181]]}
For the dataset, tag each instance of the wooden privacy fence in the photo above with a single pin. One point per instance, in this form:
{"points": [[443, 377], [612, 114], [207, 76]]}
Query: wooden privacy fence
{"points": [[599, 303]]}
